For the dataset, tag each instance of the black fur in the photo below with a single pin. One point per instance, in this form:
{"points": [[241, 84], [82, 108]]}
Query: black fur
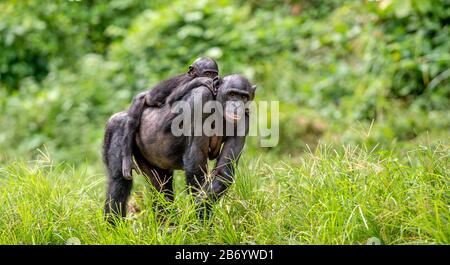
{"points": [[119, 188], [156, 97], [158, 152], [158, 94]]}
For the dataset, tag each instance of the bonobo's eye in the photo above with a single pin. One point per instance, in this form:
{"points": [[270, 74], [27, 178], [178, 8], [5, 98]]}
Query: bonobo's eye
{"points": [[232, 94], [208, 74]]}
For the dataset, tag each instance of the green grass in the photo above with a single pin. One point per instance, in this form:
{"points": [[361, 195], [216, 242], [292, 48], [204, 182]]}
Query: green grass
{"points": [[330, 196]]}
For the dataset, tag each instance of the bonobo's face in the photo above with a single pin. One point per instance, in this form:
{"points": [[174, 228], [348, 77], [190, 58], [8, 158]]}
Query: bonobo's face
{"points": [[234, 92], [204, 67], [209, 73]]}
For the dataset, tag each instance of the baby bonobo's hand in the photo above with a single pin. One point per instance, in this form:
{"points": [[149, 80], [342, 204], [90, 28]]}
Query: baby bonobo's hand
{"points": [[203, 81], [216, 84], [211, 84]]}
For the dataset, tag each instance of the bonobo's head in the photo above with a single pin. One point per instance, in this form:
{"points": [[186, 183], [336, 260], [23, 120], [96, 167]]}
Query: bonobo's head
{"points": [[204, 67], [234, 92]]}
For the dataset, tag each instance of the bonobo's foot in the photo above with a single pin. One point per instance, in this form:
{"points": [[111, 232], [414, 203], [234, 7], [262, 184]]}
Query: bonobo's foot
{"points": [[154, 103], [127, 166], [204, 211], [203, 205], [203, 214]]}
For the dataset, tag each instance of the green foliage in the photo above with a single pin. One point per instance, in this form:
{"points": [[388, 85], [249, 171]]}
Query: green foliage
{"points": [[158, 42], [345, 61], [419, 64], [371, 73], [69, 115], [36, 38]]}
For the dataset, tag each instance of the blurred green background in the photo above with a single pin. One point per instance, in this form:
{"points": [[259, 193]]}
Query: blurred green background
{"points": [[368, 72]]}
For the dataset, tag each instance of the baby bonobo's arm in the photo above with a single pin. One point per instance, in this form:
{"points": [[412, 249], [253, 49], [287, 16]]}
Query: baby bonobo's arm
{"points": [[159, 93], [181, 91], [156, 97]]}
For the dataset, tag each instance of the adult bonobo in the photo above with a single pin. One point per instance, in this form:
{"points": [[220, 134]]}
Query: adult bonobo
{"points": [[159, 151], [201, 67]]}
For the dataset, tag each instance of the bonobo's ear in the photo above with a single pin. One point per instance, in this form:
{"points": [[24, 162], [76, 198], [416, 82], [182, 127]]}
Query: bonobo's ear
{"points": [[254, 88], [191, 71], [217, 81]]}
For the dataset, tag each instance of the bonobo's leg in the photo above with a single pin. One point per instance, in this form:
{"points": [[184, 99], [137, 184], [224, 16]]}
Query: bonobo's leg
{"points": [[223, 175], [117, 196], [118, 187], [132, 123]]}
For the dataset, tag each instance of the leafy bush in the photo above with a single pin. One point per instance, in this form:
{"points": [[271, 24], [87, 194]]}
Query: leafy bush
{"points": [[37, 38], [67, 66]]}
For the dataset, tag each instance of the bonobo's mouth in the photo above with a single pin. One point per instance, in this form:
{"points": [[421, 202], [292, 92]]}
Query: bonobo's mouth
{"points": [[233, 117], [234, 111]]}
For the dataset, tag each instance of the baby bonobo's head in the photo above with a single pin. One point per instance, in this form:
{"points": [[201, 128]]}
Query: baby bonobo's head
{"points": [[204, 67]]}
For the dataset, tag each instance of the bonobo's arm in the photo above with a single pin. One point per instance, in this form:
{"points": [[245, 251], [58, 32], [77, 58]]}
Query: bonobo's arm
{"points": [[159, 93], [223, 173], [181, 91], [156, 97]]}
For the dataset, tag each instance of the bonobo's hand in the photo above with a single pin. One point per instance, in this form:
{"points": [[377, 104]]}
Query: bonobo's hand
{"points": [[203, 206], [217, 81], [127, 166], [211, 84], [203, 81]]}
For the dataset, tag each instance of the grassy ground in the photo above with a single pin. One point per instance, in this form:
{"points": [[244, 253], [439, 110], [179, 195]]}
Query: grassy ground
{"points": [[347, 195]]}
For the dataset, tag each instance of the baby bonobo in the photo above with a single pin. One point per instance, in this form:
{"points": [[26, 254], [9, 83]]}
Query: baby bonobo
{"points": [[156, 97]]}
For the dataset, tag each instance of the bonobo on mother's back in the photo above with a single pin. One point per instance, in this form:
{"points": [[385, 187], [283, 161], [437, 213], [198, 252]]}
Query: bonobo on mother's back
{"points": [[201, 67]]}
